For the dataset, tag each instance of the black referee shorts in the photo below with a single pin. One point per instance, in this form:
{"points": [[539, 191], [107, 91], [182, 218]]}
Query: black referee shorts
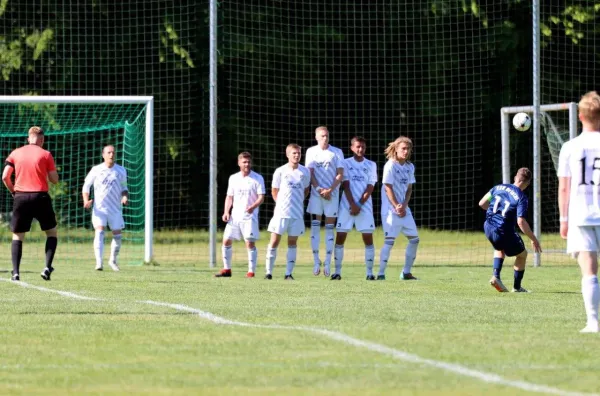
{"points": [[29, 206]]}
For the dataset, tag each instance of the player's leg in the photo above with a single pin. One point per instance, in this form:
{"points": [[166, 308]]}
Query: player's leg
{"points": [[496, 240], [367, 238], [340, 239], [315, 208], [295, 228], [116, 224], [584, 242], [44, 213], [99, 222], [391, 229], [276, 227], [518, 247], [409, 229], [19, 225], [232, 232], [251, 234], [329, 243]]}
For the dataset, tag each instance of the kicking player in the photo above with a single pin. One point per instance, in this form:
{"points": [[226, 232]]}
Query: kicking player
{"points": [[290, 187], [245, 193], [396, 217], [326, 165], [356, 206], [110, 192], [506, 207], [579, 202]]}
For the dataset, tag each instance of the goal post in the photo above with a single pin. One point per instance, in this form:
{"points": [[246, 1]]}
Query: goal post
{"points": [[554, 140], [125, 121]]}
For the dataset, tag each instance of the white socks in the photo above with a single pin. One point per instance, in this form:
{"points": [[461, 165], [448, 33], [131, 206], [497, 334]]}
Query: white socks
{"points": [[271, 256], [591, 298], [384, 256], [291, 260], [329, 240], [411, 254], [252, 254], [370, 258], [226, 252], [115, 247], [99, 247], [339, 257], [315, 239]]}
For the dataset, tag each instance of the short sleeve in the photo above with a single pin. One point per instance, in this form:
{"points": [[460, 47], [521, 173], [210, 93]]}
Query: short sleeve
{"points": [[346, 166], [412, 179], [10, 160], [563, 162], [341, 161], [261, 185], [388, 173], [124, 180], [230, 192], [373, 173], [276, 183], [50, 165], [306, 178], [522, 206]]}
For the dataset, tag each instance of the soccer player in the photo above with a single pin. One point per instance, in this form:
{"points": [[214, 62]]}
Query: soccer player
{"points": [[245, 193], [110, 192], [326, 165], [356, 206], [578, 200], [398, 179], [290, 186], [506, 207], [33, 168]]}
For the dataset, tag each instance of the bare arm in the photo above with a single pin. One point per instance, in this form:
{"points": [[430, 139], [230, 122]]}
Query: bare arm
{"points": [[484, 203], [313, 179], [53, 177], [339, 177], [256, 204], [6, 178], [227, 209], [306, 191], [348, 193], [275, 191], [524, 226], [564, 189], [366, 194], [389, 192], [408, 195]]}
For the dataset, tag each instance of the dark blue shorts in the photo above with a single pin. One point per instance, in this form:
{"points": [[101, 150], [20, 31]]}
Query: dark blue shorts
{"points": [[508, 242]]}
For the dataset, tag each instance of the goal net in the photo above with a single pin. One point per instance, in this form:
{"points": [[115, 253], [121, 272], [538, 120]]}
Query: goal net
{"points": [[76, 130]]}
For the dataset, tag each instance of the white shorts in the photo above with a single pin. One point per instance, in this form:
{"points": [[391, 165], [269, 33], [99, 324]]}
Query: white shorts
{"points": [[246, 229], [293, 227], [319, 206], [394, 225], [114, 220], [363, 221], [583, 239]]}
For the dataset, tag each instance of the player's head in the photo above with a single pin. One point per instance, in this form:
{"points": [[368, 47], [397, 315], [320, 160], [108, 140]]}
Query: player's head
{"points": [[108, 154], [245, 162], [400, 149], [294, 153], [358, 145], [36, 136], [322, 136], [589, 110], [523, 178]]}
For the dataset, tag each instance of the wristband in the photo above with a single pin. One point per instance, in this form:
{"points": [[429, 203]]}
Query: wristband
{"points": [[563, 219]]}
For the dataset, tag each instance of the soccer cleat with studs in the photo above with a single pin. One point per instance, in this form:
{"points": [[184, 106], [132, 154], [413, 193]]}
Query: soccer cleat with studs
{"points": [[250, 274], [520, 290], [15, 277], [269, 276], [380, 277], [317, 269], [370, 277], [336, 277], [289, 277], [224, 273], [498, 285], [408, 276], [46, 273]]}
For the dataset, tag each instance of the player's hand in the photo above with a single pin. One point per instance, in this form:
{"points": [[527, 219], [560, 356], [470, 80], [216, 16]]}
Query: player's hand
{"points": [[124, 200], [250, 209], [88, 204], [226, 217], [354, 209], [401, 210], [536, 246], [326, 193], [564, 229]]}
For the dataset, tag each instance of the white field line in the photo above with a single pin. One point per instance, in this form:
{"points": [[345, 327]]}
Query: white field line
{"points": [[371, 346]]}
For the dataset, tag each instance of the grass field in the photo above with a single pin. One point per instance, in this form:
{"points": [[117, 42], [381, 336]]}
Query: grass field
{"points": [[174, 329]]}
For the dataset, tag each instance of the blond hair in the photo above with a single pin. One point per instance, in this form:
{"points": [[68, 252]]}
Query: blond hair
{"points": [[524, 175], [293, 146], [36, 131], [589, 109], [390, 151], [245, 155], [321, 128]]}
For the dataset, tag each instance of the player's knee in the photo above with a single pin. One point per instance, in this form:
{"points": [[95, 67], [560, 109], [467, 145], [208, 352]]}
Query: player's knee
{"points": [[413, 241], [523, 254], [250, 244], [53, 232], [340, 238], [389, 241], [227, 242]]}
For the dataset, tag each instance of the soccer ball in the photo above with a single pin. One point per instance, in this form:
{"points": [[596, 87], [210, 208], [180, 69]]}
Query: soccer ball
{"points": [[521, 121]]}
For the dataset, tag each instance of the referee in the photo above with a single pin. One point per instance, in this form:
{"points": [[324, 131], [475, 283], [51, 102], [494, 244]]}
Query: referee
{"points": [[33, 168]]}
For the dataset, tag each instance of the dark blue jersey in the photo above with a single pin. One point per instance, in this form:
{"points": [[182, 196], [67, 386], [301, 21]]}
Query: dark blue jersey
{"points": [[507, 203]]}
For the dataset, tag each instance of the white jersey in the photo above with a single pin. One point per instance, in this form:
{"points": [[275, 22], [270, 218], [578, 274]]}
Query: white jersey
{"points": [[245, 191], [399, 176], [325, 164], [109, 185], [290, 198], [360, 175], [580, 160]]}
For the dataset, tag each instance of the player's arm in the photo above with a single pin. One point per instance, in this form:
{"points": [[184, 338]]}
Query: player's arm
{"points": [[371, 186], [484, 203], [310, 164], [408, 196], [7, 177], [274, 192], [256, 204], [564, 189], [51, 166], [524, 226], [85, 190], [276, 184], [124, 189], [389, 193], [228, 206]]}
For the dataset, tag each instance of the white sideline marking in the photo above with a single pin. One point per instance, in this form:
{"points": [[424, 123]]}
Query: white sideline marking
{"points": [[371, 346], [62, 293]]}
